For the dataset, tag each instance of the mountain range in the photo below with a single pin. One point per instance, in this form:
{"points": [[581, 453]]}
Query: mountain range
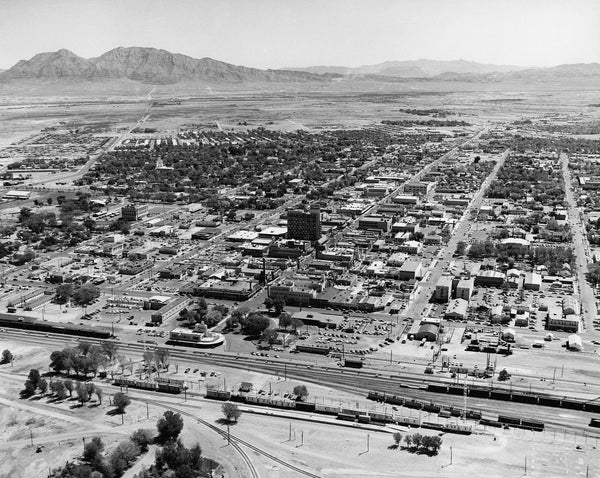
{"points": [[413, 68], [154, 66], [148, 65]]}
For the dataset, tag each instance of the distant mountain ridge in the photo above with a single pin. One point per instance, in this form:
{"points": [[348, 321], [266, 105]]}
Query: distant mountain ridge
{"points": [[149, 65], [414, 68], [155, 66]]}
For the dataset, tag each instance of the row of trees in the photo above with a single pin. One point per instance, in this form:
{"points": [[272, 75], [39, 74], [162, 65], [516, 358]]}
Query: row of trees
{"points": [[82, 296], [83, 359], [417, 443]]}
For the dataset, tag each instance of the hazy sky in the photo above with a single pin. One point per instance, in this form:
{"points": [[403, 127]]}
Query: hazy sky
{"points": [[279, 33]]}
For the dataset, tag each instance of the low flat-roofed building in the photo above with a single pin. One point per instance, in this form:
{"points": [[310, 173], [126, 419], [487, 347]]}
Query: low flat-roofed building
{"points": [[533, 281], [557, 321], [490, 278], [457, 309], [17, 195], [410, 270], [418, 188], [411, 247], [242, 236], [378, 222]]}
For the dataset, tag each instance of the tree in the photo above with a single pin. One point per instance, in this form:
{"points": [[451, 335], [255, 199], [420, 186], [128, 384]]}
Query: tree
{"points": [[296, 324], [7, 356], [161, 357], [99, 394], [86, 294], [64, 292], [49, 201], [268, 303], [34, 377], [397, 438], [169, 427], [142, 438], [110, 349], [461, 247], [92, 451], [301, 392], [408, 441], [285, 320], [82, 392], [254, 324], [43, 386], [278, 304], [29, 389], [503, 375], [123, 456], [69, 386], [231, 411], [270, 336], [121, 400]]}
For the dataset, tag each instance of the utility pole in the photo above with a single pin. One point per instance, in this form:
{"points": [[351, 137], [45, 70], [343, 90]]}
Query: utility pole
{"points": [[228, 435], [290, 434], [450, 455], [147, 411], [368, 438], [31, 437], [525, 465]]}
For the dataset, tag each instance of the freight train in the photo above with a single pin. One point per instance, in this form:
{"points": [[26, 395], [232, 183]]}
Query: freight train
{"points": [[341, 413], [31, 323], [155, 386], [503, 420], [482, 391]]}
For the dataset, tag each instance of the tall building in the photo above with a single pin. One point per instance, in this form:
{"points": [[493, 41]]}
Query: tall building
{"points": [[304, 225], [134, 212]]}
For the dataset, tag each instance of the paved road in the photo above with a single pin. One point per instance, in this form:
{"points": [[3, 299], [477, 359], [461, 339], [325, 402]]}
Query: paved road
{"points": [[426, 287], [581, 249]]}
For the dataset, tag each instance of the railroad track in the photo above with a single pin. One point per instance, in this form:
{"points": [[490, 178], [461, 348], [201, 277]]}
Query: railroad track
{"points": [[236, 442]]}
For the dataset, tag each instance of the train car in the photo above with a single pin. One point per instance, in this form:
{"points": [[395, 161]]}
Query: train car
{"points": [[376, 396], [282, 403], [479, 392], [437, 388], [458, 428], [351, 411], [327, 409], [305, 406], [381, 417], [414, 404], [169, 388], [395, 400], [364, 419], [490, 423], [592, 407], [407, 421], [431, 408], [524, 398], [505, 419], [549, 401], [218, 394], [595, 422], [473, 414], [253, 399], [346, 417], [444, 413], [572, 404], [534, 425], [500, 395], [432, 426], [456, 390]]}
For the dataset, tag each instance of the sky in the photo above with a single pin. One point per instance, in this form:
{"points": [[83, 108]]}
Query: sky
{"points": [[296, 33]]}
